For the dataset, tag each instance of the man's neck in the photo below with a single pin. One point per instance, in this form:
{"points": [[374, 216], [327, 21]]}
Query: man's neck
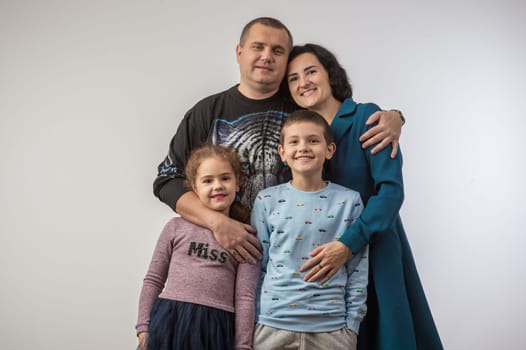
{"points": [[256, 94]]}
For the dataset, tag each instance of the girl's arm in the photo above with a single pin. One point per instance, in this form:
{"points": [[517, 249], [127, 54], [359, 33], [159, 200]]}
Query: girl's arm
{"points": [[156, 276], [245, 304]]}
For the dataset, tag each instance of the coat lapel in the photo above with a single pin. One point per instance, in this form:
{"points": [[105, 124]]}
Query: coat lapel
{"points": [[343, 120]]}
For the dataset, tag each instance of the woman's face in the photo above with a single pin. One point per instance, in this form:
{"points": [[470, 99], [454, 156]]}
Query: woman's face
{"points": [[308, 82]]}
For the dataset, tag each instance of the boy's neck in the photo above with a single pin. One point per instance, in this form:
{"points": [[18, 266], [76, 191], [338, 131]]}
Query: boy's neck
{"points": [[307, 184]]}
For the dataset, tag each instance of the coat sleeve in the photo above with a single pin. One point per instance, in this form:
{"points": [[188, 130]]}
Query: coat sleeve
{"points": [[382, 207], [193, 131]]}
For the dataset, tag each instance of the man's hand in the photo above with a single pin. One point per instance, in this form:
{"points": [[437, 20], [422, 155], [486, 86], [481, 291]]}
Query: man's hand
{"points": [[325, 261], [386, 132], [238, 238]]}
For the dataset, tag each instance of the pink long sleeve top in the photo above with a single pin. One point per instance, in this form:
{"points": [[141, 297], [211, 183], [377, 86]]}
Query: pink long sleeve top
{"points": [[189, 265]]}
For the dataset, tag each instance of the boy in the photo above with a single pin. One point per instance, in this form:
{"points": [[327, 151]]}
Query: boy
{"points": [[291, 219]]}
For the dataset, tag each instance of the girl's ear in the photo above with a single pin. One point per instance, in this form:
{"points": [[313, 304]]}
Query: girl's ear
{"points": [[331, 148]]}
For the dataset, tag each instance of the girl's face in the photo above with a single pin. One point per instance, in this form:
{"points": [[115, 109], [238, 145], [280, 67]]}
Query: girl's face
{"points": [[215, 184], [308, 82]]}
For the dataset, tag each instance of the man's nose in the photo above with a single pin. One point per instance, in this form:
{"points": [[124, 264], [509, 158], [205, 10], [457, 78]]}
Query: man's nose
{"points": [[267, 55]]}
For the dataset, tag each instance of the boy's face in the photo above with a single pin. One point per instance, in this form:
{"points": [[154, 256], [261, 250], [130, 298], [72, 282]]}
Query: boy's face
{"points": [[305, 149]]}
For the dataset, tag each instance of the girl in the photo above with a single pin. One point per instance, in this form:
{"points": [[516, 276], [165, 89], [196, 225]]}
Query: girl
{"points": [[195, 295]]}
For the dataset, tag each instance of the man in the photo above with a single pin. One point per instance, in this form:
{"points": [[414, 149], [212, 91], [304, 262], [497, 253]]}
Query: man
{"points": [[247, 117]]}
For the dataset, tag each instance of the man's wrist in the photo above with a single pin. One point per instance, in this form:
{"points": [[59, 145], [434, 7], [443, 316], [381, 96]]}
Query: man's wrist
{"points": [[400, 114]]}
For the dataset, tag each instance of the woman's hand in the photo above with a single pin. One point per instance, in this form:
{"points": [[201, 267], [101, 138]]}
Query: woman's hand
{"points": [[386, 132], [325, 261]]}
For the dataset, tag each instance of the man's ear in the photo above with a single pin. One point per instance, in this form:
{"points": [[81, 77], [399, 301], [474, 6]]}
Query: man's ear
{"points": [[331, 148], [238, 52]]}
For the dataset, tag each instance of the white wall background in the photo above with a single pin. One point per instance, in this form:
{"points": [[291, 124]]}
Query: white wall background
{"points": [[92, 91]]}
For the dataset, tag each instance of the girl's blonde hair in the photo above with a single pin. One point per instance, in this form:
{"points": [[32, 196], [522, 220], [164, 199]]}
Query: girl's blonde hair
{"points": [[237, 210]]}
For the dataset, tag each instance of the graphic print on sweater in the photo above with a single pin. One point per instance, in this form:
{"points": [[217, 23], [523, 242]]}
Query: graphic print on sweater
{"points": [[256, 138]]}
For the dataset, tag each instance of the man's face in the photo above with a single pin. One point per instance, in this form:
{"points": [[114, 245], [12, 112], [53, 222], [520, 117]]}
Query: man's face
{"points": [[262, 59]]}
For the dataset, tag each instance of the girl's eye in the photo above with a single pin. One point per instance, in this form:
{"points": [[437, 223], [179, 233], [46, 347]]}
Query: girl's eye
{"points": [[292, 79]]}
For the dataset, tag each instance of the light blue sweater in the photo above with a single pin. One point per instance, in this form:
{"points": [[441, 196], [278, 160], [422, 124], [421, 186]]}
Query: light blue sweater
{"points": [[290, 224]]}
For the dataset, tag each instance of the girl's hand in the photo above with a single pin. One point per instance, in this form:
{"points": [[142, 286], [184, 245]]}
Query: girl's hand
{"points": [[143, 340], [326, 261]]}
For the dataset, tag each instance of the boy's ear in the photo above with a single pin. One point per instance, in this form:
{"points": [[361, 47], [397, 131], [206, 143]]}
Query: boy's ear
{"points": [[331, 148], [281, 152]]}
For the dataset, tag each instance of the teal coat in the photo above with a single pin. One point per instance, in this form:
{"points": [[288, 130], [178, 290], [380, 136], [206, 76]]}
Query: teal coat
{"points": [[398, 315]]}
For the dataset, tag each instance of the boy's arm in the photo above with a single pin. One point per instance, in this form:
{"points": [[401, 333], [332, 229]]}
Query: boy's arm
{"points": [[258, 220], [387, 131], [356, 289]]}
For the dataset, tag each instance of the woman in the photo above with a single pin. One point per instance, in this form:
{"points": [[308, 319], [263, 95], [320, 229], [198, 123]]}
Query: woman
{"points": [[398, 315]]}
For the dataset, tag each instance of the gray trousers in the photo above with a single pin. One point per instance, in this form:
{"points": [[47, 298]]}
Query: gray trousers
{"points": [[269, 338]]}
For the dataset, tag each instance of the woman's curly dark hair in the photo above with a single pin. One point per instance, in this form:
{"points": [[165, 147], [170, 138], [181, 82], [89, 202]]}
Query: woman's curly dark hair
{"points": [[338, 79]]}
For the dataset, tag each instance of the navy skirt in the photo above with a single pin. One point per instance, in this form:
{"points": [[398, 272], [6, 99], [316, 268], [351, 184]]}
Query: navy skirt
{"points": [[176, 325]]}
